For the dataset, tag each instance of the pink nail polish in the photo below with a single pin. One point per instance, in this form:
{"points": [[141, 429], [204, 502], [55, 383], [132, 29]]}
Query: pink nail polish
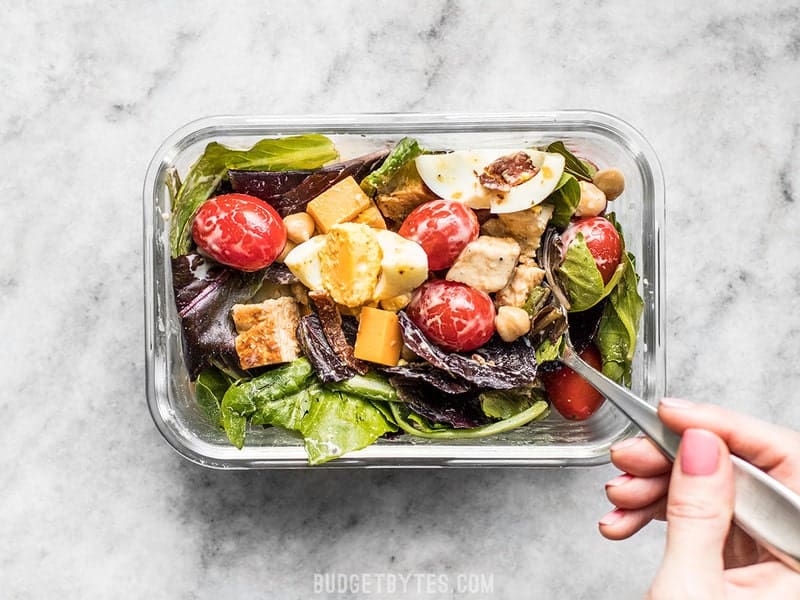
{"points": [[619, 480], [699, 452], [676, 403], [626, 443], [612, 517]]}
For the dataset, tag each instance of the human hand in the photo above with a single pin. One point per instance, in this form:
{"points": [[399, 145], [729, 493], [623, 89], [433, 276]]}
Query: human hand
{"points": [[706, 556]]}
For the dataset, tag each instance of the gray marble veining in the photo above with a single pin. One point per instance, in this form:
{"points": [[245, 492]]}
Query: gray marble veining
{"points": [[95, 505]]}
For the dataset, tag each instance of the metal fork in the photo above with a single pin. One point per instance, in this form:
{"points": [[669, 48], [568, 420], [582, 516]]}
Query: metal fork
{"points": [[764, 507]]}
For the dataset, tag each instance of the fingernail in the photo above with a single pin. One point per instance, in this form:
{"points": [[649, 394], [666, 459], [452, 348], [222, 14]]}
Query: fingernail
{"points": [[699, 452], [612, 517], [676, 403], [626, 443], [619, 480]]}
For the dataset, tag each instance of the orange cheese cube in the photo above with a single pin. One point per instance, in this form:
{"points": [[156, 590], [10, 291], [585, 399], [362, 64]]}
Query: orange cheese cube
{"points": [[379, 339], [338, 204], [371, 216]]}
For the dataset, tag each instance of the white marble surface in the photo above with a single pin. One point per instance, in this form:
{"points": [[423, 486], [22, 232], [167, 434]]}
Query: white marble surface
{"points": [[95, 505]]}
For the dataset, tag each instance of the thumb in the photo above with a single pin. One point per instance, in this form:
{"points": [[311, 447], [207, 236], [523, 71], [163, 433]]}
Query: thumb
{"points": [[699, 512]]}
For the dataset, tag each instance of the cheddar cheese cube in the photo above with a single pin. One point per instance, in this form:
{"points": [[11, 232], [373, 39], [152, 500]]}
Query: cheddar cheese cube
{"points": [[338, 204], [379, 339], [371, 216]]}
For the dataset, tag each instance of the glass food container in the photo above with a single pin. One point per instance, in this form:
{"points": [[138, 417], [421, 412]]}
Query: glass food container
{"points": [[554, 442]]}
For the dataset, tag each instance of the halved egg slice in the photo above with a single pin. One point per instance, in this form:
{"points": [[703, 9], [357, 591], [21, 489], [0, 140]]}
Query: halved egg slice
{"points": [[455, 176]]}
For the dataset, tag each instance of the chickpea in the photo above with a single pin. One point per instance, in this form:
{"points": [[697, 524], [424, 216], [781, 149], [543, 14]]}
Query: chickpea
{"points": [[299, 227], [611, 181], [511, 323], [593, 200], [290, 245]]}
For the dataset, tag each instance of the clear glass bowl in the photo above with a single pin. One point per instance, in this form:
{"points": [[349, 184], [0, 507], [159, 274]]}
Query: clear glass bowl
{"points": [[604, 139]]}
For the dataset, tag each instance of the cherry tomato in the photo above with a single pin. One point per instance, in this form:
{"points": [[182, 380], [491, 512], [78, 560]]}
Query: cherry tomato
{"points": [[452, 315], [443, 228], [240, 231], [603, 241], [570, 394]]}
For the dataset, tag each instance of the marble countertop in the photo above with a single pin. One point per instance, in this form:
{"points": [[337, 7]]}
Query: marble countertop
{"points": [[94, 504]]}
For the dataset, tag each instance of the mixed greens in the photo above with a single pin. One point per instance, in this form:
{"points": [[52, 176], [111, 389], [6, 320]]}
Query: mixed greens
{"points": [[319, 371]]}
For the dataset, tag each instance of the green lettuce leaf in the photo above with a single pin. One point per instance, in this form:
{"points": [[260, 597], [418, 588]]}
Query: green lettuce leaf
{"points": [[572, 165], [619, 325], [286, 412], [504, 404], [564, 199], [549, 350], [243, 398], [372, 386], [406, 149], [582, 279], [210, 388], [297, 152], [338, 423], [236, 408]]}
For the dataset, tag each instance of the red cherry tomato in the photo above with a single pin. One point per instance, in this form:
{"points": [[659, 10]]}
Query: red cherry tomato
{"points": [[603, 241], [570, 394], [240, 231], [452, 315], [443, 228]]}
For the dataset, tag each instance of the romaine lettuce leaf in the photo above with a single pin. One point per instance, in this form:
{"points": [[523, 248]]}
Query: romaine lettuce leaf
{"points": [[406, 149], [565, 199], [297, 152], [573, 165], [504, 404], [582, 279], [616, 336], [244, 398], [286, 412], [619, 325], [549, 350], [210, 388], [338, 423], [372, 386]]}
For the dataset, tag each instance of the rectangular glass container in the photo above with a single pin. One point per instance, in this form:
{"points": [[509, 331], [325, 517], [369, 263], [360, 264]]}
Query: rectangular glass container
{"points": [[604, 139]]}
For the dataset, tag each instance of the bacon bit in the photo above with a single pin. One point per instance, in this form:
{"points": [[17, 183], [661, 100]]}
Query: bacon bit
{"points": [[508, 171]]}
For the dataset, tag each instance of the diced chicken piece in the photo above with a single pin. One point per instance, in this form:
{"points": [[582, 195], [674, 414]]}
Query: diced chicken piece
{"points": [[494, 227], [527, 226], [526, 277], [266, 332], [486, 264], [398, 204]]}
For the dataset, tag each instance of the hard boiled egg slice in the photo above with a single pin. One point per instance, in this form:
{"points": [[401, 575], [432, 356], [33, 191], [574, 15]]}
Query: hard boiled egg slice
{"points": [[303, 261], [533, 191], [455, 176], [404, 265]]}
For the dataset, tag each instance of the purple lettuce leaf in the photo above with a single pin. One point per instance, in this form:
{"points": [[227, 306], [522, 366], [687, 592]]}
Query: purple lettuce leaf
{"points": [[205, 292], [296, 199], [459, 411], [496, 365], [269, 186], [427, 373]]}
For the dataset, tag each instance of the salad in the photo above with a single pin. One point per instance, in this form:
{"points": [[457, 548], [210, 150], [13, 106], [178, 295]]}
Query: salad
{"points": [[403, 292]]}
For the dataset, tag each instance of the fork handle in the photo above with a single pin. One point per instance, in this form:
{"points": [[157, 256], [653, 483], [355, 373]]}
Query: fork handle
{"points": [[764, 507]]}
